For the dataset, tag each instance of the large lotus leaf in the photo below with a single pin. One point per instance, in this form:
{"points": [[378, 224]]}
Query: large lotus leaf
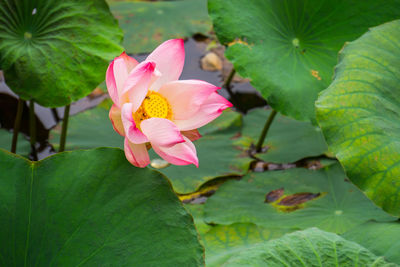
{"points": [[288, 48], [339, 206], [56, 52], [91, 208], [311, 247], [23, 147], [223, 241], [383, 239], [147, 24], [360, 114], [287, 140]]}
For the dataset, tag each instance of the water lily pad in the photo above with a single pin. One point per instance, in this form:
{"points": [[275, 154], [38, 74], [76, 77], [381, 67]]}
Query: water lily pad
{"points": [[381, 238], [311, 247], [360, 114], [91, 208], [287, 141], [339, 206], [147, 24], [289, 48], [56, 52]]}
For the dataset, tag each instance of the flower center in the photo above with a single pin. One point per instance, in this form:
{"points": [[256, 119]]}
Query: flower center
{"points": [[153, 106]]}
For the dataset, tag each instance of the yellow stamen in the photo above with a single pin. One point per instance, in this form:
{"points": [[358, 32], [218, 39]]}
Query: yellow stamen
{"points": [[153, 106]]}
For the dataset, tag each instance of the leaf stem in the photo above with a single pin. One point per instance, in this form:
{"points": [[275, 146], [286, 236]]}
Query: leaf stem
{"points": [[55, 114], [227, 83], [32, 128], [17, 124], [64, 128], [265, 130]]}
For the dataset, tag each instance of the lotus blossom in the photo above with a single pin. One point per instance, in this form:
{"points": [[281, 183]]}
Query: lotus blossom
{"points": [[152, 108]]}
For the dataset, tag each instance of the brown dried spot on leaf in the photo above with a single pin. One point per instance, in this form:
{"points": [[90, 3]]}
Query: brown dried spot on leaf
{"points": [[297, 199], [315, 73], [274, 195], [238, 41]]}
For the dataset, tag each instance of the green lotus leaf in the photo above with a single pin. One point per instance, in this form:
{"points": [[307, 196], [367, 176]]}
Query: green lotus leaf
{"points": [[311, 247], [359, 114], [197, 212], [55, 52], [381, 238], [223, 241], [147, 24], [288, 48], [91, 208], [287, 140], [295, 198]]}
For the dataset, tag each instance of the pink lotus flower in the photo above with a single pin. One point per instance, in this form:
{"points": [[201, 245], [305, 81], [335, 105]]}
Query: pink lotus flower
{"points": [[152, 108]]}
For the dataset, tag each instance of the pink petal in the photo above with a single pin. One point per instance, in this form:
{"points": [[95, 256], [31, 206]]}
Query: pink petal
{"points": [[186, 96], [115, 117], [136, 154], [179, 154], [120, 74], [169, 58], [192, 135], [131, 131], [161, 132], [111, 85], [116, 75], [137, 84], [210, 110], [130, 62]]}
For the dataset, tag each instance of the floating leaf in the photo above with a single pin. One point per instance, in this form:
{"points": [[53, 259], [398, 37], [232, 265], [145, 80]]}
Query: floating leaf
{"points": [[56, 52], [287, 141], [340, 207], [223, 241], [311, 247], [91, 208], [147, 24], [381, 238], [289, 48], [360, 114]]}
